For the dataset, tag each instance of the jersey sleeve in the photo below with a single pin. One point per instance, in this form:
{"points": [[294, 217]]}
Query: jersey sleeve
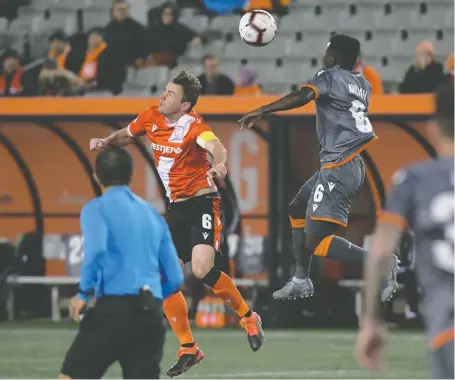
{"points": [[137, 126], [320, 84], [203, 134], [399, 205]]}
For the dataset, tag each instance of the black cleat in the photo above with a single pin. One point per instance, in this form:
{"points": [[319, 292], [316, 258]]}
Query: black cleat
{"points": [[187, 358], [253, 328]]}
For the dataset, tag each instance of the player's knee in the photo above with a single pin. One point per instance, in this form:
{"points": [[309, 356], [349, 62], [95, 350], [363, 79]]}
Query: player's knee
{"points": [[202, 260], [200, 270], [312, 241]]}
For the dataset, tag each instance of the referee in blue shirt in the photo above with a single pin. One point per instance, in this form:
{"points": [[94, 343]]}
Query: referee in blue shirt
{"points": [[130, 266]]}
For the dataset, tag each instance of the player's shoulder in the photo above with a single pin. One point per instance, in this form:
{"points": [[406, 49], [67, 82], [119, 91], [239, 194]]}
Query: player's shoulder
{"points": [[423, 170], [94, 206], [197, 121]]}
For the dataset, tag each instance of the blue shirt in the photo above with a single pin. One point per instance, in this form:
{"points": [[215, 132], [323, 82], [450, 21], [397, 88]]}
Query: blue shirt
{"points": [[127, 244]]}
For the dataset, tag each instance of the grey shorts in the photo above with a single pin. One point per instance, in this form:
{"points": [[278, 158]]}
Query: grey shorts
{"points": [[441, 362], [327, 195]]}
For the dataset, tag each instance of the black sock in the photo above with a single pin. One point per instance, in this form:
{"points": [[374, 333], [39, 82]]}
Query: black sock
{"points": [[302, 255], [188, 344], [342, 250], [212, 277]]}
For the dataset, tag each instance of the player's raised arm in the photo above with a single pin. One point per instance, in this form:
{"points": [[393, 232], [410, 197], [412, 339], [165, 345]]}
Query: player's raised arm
{"points": [[293, 100], [124, 136]]}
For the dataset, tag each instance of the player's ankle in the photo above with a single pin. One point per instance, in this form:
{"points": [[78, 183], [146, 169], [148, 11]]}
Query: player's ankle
{"points": [[248, 314], [299, 279]]}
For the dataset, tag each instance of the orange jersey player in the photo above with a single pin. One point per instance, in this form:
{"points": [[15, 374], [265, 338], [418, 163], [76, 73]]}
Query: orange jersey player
{"points": [[181, 142]]}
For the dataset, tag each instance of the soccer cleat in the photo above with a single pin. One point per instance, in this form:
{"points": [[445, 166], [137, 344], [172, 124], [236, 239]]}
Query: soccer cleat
{"points": [[391, 284], [187, 358], [253, 328], [293, 290]]}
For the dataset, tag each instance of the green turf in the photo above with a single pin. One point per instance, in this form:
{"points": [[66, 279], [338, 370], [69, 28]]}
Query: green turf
{"points": [[36, 350]]}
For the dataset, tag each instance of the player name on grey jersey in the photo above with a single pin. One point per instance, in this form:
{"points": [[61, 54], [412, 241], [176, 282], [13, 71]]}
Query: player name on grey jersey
{"points": [[342, 123], [423, 195]]}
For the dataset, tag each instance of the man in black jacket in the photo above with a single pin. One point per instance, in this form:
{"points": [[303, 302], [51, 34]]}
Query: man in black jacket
{"points": [[425, 74], [126, 36], [212, 81]]}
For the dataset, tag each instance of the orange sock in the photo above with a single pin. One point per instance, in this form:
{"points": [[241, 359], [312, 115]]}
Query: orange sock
{"points": [[226, 289], [176, 311]]}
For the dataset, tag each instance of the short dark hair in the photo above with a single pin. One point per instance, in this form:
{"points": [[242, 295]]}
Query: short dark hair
{"points": [[96, 29], [206, 57], [345, 50], [114, 166], [59, 35], [190, 85], [444, 99]]}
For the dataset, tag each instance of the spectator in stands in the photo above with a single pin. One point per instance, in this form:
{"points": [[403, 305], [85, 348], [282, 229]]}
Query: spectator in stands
{"points": [[59, 48], [57, 81], [449, 67], [246, 81], [100, 69], [169, 38], [212, 81], [371, 75], [11, 76], [224, 7], [126, 36], [278, 6], [8, 8], [425, 74]]}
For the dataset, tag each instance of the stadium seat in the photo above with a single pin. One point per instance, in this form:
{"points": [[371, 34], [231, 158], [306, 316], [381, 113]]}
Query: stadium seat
{"points": [[225, 23], [65, 21], [95, 18], [3, 25], [197, 23]]}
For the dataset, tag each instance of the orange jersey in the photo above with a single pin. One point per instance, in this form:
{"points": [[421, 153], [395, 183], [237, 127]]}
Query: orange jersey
{"points": [[180, 159]]}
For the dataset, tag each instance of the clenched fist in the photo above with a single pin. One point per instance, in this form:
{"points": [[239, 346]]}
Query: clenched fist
{"points": [[98, 144]]}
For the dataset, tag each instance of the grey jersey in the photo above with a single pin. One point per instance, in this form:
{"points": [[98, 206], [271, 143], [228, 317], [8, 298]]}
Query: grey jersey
{"points": [[342, 124], [423, 197]]}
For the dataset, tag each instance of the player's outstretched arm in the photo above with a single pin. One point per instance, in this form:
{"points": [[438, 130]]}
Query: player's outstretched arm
{"points": [[293, 100], [119, 138]]}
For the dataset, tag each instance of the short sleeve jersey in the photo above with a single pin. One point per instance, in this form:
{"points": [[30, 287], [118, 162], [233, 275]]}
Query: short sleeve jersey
{"points": [[181, 162], [422, 197], [342, 124]]}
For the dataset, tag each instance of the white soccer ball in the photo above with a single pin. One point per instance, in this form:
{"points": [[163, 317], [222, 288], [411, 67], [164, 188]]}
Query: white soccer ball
{"points": [[257, 28]]}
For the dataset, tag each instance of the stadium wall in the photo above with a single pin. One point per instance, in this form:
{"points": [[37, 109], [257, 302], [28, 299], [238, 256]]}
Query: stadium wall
{"points": [[45, 172]]}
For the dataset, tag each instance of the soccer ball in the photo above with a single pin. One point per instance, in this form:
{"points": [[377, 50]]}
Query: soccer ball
{"points": [[257, 28]]}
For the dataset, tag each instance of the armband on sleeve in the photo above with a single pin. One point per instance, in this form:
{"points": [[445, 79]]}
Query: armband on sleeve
{"points": [[204, 138]]}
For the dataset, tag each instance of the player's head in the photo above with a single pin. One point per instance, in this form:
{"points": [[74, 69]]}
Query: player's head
{"points": [[113, 167], [342, 51], [441, 132], [180, 95]]}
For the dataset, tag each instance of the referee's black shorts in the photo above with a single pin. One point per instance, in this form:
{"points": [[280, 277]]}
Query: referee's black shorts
{"points": [[117, 328]]}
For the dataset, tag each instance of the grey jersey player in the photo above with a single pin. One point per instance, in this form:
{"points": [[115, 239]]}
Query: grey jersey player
{"points": [[423, 198], [322, 204]]}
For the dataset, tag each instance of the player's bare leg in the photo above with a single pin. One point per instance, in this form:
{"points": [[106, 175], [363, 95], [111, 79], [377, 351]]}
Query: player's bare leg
{"points": [[203, 259], [338, 249], [300, 285]]}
